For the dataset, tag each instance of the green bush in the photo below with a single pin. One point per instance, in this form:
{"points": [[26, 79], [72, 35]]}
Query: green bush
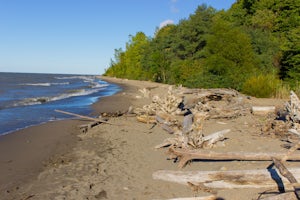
{"points": [[262, 86]]}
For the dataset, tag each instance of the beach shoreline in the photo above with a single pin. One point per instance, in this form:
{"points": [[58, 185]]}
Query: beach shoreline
{"points": [[116, 160], [26, 152]]}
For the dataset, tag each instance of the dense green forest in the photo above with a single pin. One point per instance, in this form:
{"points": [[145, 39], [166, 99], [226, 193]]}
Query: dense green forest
{"points": [[254, 47]]}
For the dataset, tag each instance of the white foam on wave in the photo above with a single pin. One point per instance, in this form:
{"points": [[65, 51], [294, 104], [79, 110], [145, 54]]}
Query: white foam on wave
{"points": [[45, 84], [94, 82], [41, 100], [64, 83], [81, 92], [98, 85], [37, 84], [85, 78]]}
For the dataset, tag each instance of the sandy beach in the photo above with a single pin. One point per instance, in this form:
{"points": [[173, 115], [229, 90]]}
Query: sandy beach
{"points": [[116, 161]]}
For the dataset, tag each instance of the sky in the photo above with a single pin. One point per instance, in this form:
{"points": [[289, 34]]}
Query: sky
{"points": [[80, 36]]}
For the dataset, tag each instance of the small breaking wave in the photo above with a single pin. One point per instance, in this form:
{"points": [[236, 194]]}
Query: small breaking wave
{"points": [[42, 100], [92, 80], [84, 78], [44, 84], [98, 85]]}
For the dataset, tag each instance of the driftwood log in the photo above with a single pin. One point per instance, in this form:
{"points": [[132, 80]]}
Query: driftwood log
{"points": [[146, 119], [283, 196], [86, 127], [262, 110], [187, 155], [287, 174], [263, 178], [84, 117], [211, 197]]}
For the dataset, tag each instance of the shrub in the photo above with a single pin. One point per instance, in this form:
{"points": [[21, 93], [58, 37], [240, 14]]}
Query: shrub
{"points": [[262, 86], [283, 91]]}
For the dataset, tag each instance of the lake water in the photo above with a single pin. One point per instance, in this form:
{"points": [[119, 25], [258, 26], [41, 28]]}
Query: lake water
{"points": [[30, 99]]}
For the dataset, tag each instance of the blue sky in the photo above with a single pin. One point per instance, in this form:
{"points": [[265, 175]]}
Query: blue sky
{"points": [[79, 36]]}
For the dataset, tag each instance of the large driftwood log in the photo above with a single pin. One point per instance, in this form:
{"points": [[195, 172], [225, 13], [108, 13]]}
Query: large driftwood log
{"points": [[264, 178], [187, 155]]}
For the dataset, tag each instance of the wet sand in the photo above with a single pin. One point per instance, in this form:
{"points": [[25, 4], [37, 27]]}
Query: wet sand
{"points": [[24, 153]]}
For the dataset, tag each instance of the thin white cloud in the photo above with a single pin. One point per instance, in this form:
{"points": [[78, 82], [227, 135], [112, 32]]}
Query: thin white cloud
{"points": [[173, 7], [165, 23]]}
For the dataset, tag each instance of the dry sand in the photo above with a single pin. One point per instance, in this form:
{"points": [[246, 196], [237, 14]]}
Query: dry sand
{"points": [[117, 161]]}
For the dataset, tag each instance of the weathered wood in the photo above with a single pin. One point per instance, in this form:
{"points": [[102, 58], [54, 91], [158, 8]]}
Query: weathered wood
{"points": [[210, 140], [167, 128], [287, 174], [290, 151], [86, 127], [294, 131], [197, 187], [293, 107], [211, 197], [187, 155], [187, 127], [187, 124], [283, 196], [146, 119], [263, 178], [169, 142], [164, 120], [262, 110], [208, 92], [84, 117], [145, 92]]}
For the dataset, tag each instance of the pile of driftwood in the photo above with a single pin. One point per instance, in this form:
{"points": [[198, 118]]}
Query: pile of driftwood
{"points": [[183, 112], [285, 125]]}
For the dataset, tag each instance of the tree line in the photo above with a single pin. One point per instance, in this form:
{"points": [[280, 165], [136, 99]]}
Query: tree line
{"points": [[253, 47]]}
